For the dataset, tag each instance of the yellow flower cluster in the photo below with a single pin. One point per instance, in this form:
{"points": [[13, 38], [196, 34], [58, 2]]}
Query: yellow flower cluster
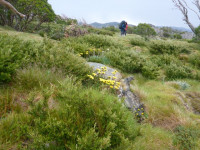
{"points": [[114, 72], [112, 83], [91, 77], [102, 70], [111, 79], [91, 52]]}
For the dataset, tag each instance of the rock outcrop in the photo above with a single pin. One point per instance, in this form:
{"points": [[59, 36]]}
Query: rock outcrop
{"points": [[131, 100]]}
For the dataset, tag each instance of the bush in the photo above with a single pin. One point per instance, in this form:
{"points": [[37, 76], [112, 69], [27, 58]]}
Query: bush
{"points": [[186, 138], [99, 41], [150, 70], [75, 31], [137, 42], [145, 30], [17, 54], [177, 36], [14, 54], [126, 61], [82, 119], [105, 31], [99, 59], [178, 72], [165, 60], [163, 47], [52, 30], [194, 59]]}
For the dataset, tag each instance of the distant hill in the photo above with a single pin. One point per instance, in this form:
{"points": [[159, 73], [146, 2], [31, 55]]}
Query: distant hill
{"points": [[115, 24], [101, 25], [180, 29]]}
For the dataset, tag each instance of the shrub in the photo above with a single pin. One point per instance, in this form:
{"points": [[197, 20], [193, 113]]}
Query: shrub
{"points": [[174, 71], [52, 30], [186, 138], [99, 41], [163, 47], [105, 31], [83, 118], [150, 70], [99, 59], [127, 61], [194, 59], [177, 36], [75, 31], [145, 30], [137, 42], [16, 54], [165, 60]]}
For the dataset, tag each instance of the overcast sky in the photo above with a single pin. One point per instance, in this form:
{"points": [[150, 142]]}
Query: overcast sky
{"points": [[157, 12]]}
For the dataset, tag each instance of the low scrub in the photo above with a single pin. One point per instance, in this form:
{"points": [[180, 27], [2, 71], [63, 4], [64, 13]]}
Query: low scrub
{"points": [[17, 54], [164, 47], [194, 59], [137, 42], [186, 137], [174, 71], [81, 119]]}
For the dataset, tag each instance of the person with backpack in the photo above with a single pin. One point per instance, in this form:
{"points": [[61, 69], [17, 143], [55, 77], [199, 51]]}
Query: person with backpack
{"points": [[126, 28], [122, 27]]}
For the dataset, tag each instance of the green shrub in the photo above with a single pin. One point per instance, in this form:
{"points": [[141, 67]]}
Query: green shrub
{"points": [[127, 61], [165, 60], [137, 42], [101, 31], [82, 119], [77, 47], [194, 59], [99, 59], [177, 36], [14, 128], [164, 47], [186, 138], [99, 41], [150, 70], [16, 54], [52, 30], [174, 71]]}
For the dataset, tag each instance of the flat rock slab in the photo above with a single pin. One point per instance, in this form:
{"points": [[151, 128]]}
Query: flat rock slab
{"points": [[109, 71]]}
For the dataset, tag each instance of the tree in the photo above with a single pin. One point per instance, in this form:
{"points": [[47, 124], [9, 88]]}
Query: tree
{"points": [[39, 11], [145, 30], [183, 6], [11, 7]]}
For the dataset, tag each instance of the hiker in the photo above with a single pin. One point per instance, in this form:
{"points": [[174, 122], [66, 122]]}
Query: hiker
{"points": [[122, 27], [126, 28]]}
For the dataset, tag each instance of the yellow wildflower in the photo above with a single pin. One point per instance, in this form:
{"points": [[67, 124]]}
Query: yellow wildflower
{"points": [[111, 87]]}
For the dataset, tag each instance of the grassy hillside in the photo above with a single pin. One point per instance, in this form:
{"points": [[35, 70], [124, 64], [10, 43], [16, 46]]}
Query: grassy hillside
{"points": [[47, 100]]}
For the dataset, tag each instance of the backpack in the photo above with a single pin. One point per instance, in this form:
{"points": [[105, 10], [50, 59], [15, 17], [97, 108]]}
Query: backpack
{"points": [[122, 23]]}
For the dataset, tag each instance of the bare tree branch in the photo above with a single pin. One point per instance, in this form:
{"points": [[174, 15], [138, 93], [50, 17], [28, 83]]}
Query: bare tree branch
{"points": [[183, 8], [11, 7], [191, 9], [197, 3]]}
